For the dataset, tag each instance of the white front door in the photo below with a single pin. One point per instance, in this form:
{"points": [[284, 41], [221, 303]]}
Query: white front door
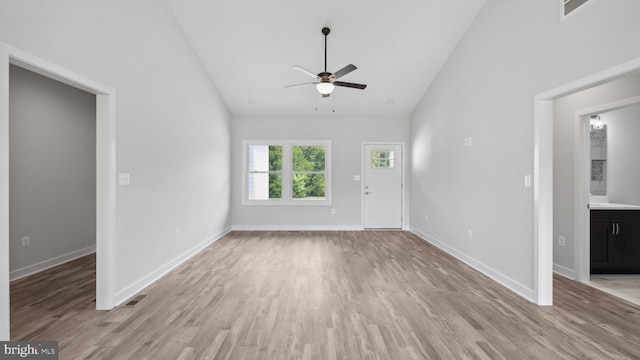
{"points": [[382, 186]]}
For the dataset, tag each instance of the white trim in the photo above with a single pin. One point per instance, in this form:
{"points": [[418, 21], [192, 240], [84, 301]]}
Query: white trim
{"points": [[286, 172], [564, 271], [4, 195], [543, 204], [296, 228], [105, 173], [47, 264], [405, 221], [543, 165], [497, 276], [131, 290], [583, 158]]}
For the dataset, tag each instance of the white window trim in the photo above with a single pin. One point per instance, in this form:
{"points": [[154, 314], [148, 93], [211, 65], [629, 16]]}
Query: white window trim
{"points": [[287, 171]]}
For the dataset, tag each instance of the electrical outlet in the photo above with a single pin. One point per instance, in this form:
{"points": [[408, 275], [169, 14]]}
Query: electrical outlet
{"points": [[426, 217], [333, 211], [124, 179], [470, 233], [562, 241], [26, 241]]}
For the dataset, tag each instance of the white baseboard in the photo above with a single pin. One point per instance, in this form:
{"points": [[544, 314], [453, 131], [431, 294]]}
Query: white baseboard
{"points": [[497, 276], [131, 290], [564, 271], [297, 227], [47, 264]]}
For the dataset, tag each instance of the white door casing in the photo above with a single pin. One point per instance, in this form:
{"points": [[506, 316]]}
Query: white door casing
{"points": [[105, 174], [382, 186]]}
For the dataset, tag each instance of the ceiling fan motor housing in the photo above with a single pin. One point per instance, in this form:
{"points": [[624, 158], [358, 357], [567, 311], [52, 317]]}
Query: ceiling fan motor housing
{"points": [[326, 77]]}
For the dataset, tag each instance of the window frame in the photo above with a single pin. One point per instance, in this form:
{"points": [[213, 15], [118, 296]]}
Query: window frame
{"points": [[287, 173]]}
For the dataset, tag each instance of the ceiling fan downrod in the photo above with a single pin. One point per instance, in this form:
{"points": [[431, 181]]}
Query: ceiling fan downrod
{"points": [[325, 32]]}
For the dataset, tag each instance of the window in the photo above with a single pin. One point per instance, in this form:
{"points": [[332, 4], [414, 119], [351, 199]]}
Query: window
{"points": [[287, 173], [383, 159], [264, 172]]}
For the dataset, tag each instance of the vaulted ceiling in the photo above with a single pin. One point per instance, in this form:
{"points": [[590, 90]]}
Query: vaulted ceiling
{"points": [[249, 48]]}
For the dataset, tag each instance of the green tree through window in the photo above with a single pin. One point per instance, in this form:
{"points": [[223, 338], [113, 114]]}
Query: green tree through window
{"points": [[308, 177], [275, 179]]}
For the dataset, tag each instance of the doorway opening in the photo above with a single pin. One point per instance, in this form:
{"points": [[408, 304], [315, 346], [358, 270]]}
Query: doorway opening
{"points": [[609, 259], [105, 174], [543, 170], [52, 190]]}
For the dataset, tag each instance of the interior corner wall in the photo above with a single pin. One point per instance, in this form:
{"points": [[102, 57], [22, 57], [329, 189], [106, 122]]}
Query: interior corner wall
{"points": [[52, 172], [346, 135], [623, 172], [485, 93], [172, 126], [567, 132]]}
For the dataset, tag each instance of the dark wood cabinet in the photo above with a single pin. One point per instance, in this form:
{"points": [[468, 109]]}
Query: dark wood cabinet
{"points": [[615, 241]]}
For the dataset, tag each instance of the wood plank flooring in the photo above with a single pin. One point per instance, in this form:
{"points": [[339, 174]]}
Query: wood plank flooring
{"points": [[325, 295]]}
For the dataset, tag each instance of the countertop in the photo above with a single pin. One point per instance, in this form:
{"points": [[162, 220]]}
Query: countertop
{"points": [[612, 206]]}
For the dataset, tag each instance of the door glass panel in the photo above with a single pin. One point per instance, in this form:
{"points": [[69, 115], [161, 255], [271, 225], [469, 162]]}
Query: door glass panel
{"points": [[383, 159]]}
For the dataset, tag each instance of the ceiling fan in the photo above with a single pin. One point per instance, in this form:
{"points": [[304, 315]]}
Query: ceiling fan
{"points": [[325, 81]]}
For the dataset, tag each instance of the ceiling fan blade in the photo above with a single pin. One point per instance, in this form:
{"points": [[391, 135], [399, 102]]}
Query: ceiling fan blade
{"points": [[349, 85], [307, 83], [305, 71], [344, 71]]}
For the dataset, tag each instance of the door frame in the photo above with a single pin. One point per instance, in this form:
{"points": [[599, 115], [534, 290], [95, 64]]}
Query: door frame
{"points": [[105, 174], [582, 227], [543, 174], [363, 158]]}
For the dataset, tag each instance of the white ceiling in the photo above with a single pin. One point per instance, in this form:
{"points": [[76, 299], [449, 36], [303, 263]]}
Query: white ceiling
{"points": [[250, 46]]}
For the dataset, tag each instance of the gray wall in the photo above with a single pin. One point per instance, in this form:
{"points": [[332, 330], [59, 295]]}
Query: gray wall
{"points": [[566, 132], [172, 127], [513, 51], [346, 134], [623, 138], [52, 170]]}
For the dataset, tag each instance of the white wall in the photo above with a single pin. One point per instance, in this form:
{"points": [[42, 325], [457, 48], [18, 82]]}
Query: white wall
{"points": [[346, 135], [173, 130], [514, 50], [52, 172], [623, 161], [566, 131]]}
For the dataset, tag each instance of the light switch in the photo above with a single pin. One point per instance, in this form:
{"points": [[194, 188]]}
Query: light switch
{"points": [[123, 179], [527, 181], [356, 177]]}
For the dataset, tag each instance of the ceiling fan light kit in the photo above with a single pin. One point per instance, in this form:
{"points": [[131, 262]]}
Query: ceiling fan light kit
{"points": [[325, 88], [325, 81]]}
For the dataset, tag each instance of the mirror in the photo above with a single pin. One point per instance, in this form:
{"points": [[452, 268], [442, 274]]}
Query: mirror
{"points": [[598, 143]]}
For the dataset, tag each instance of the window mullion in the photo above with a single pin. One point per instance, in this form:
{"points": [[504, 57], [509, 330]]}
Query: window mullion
{"points": [[286, 172]]}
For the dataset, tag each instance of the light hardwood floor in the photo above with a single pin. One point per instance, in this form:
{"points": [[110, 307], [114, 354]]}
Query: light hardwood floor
{"points": [[625, 286], [323, 295]]}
